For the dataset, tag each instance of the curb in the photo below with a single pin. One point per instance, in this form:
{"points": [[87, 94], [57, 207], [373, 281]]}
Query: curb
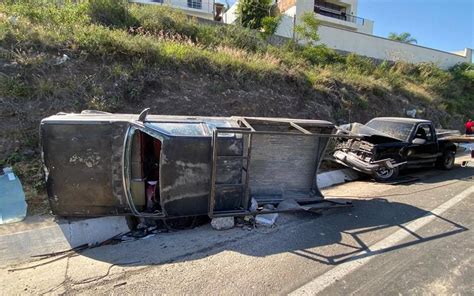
{"points": [[336, 177], [18, 242]]}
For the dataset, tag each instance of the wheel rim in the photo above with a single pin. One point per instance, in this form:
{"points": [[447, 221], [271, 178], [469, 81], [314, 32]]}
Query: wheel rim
{"points": [[384, 173], [448, 160]]}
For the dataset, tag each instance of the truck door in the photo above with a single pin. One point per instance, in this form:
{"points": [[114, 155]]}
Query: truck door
{"points": [[423, 149]]}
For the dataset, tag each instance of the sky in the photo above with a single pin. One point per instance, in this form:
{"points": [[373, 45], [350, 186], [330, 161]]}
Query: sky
{"points": [[441, 24]]}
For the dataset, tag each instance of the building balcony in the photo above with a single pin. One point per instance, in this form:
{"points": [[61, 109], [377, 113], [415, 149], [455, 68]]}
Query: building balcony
{"points": [[322, 10], [341, 19]]}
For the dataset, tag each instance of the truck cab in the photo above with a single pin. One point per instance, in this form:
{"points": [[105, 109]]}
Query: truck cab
{"points": [[387, 145]]}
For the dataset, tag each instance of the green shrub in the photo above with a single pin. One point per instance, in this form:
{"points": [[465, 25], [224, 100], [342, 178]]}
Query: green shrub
{"points": [[61, 13], [111, 13], [250, 13], [405, 68], [360, 64], [156, 19], [382, 69], [238, 37], [433, 77], [14, 87], [464, 71], [321, 55], [270, 25], [308, 28]]}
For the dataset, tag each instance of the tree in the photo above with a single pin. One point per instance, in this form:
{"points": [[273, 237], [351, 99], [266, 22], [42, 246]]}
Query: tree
{"points": [[402, 37], [270, 25], [308, 27], [250, 13]]}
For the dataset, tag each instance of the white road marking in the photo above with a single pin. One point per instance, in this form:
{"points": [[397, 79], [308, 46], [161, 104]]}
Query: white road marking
{"points": [[337, 273]]}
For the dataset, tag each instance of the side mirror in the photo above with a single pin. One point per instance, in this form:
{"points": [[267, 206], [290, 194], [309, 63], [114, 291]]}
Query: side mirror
{"points": [[418, 141]]}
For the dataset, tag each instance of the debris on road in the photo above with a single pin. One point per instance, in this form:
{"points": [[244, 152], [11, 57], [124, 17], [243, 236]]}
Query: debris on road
{"points": [[267, 220], [253, 205], [222, 223]]}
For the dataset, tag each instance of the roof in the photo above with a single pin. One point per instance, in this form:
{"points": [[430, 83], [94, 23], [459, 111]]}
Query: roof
{"points": [[402, 119]]}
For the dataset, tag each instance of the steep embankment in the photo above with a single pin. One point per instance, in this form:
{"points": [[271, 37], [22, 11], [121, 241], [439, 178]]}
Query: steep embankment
{"points": [[90, 56]]}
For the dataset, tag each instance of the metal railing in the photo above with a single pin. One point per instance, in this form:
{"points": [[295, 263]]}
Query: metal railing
{"points": [[326, 11]]}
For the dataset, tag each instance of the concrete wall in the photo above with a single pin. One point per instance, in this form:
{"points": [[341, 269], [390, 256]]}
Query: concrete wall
{"points": [[286, 26], [206, 11], [230, 16], [284, 5], [386, 49]]}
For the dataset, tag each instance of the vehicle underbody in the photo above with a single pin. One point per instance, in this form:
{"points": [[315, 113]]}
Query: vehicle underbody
{"points": [[159, 166]]}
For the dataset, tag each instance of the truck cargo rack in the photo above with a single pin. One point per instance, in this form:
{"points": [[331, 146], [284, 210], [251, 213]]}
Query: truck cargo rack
{"points": [[313, 202]]}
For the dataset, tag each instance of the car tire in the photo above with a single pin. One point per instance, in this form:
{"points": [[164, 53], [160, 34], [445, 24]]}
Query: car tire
{"points": [[446, 162], [385, 174]]}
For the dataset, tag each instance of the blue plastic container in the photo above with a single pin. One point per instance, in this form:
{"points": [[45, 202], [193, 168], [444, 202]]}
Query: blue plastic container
{"points": [[12, 198]]}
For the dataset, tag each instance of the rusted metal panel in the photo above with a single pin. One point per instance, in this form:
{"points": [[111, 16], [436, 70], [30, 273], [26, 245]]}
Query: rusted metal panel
{"points": [[291, 169], [83, 176], [98, 164]]}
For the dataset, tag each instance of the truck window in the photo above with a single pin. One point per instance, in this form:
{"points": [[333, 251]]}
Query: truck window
{"points": [[424, 132], [397, 130]]}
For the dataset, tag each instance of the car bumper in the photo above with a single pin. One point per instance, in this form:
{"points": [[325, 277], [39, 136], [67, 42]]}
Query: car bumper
{"points": [[351, 160]]}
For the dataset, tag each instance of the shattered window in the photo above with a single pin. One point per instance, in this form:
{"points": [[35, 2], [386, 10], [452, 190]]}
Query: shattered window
{"points": [[397, 130], [179, 128], [213, 123]]}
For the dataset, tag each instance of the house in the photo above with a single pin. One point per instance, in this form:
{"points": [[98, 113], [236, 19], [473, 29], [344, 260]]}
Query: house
{"points": [[199, 8], [342, 29], [337, 13]]}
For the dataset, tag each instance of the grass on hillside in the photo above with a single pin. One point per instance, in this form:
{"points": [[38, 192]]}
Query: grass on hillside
{"points": [[160, 35]]}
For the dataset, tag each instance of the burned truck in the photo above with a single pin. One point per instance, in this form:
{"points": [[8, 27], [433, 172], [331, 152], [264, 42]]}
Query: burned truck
{"points": [[157, 166], [386, 145]]}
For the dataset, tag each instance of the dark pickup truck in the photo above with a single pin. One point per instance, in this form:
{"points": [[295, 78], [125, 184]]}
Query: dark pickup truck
{"points": [[164, 166], [387, 145]]}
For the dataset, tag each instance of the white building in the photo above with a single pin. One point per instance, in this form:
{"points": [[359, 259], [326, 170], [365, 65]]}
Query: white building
{"points": [[199, 8], [343, 30]]}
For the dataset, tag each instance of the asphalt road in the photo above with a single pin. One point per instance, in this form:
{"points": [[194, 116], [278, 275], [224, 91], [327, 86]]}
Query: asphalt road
{"points": [[397, 239]]}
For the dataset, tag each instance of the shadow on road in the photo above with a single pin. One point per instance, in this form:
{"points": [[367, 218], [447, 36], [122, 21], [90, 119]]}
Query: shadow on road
{"points": [[425, 175], [337, 236], [329, 239]]}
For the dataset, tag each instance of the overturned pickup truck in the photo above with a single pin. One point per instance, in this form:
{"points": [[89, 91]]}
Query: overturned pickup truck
{"points": [[386, 145], [157, 166]]}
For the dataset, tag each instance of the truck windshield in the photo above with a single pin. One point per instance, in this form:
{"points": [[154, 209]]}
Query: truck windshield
{"points": [[397, 130]]}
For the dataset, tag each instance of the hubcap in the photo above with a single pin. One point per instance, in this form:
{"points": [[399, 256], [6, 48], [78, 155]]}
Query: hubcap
{"points": [[448, 161], [384, 173]]}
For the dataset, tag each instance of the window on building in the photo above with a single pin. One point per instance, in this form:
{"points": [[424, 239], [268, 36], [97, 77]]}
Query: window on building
{"points": [[195, 4], [323, 4], [157, 1]]}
